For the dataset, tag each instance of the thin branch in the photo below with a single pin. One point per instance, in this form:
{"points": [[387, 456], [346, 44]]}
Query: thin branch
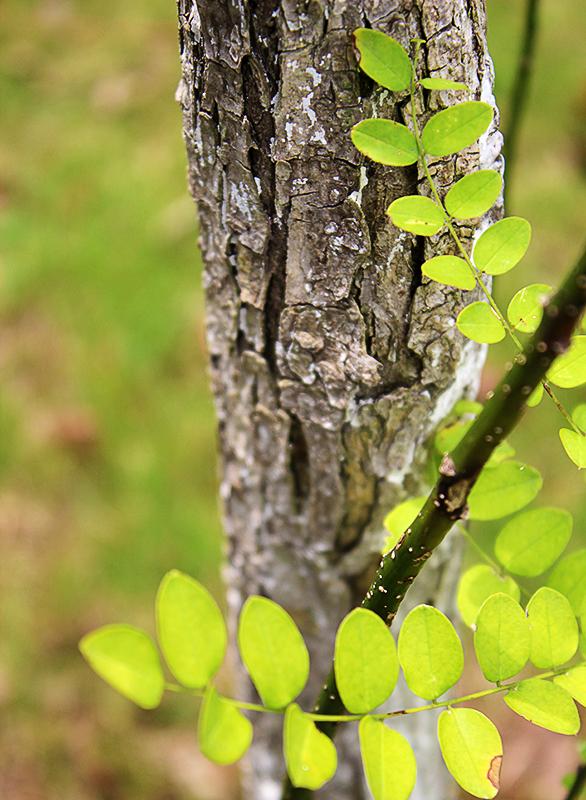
{"points": [[579, 783]]}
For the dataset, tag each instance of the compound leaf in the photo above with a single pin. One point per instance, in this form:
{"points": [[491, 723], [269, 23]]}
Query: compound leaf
{"points": [[456, 127], [309, 754], [503, 489], [388, 760], [224, 733], [400, 518], [441, 84], [545, 704], [383, 59], [472, 750], [473, 194], [525, 310], [574, 682], [385, 142], [451, 271], [575, 446], [416, 214], [532, 541], [502, 246], [569, 577], [502, 639], [569, 370], [554, 630], [479, 323], [476, 585]]}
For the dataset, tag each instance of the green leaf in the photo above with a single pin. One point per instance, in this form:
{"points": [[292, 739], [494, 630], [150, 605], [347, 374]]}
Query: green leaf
{"points": [[416, 214], [441, 84], [569, 370], [579, 416], [472, 749], [554, 630], [273, 651], [430, 652], [365, 661], [190, 628], [465, 407], [545, 704], [388, 760], [309, 754], [502, 639], [383, 59], [503, 489], [456, 127], [575, 446], [476, 585], [525, 310], [385, 142], [502, 246], [451, 271], [474, 194], [532, 541], [569, 578], [536, 396], [127, 659], [574, 682], [224, 733], [449, 437], [400, 518], [479, 323]]}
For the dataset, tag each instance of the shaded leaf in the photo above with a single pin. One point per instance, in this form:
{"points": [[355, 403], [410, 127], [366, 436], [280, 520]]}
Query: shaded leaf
{"points": [[536, 396], [545, 704], [472, 750], [503, 489], [479, 323], [456, 127], [388, 760], [502, 246], [224, 733], [383, 59], [442, 84], [502, 639], [532, 541], [554, 630], [474, 194], [575, 446], [579, 416], [416, 214], [569, 578], [449, 437], [569, 370], [309, 754], [476, 585], [400, 518], [449, 270], [385, 142], [525, 310]]}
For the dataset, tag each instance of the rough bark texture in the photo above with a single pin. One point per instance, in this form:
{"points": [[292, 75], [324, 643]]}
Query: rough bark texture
{"points": [[331, 359]]}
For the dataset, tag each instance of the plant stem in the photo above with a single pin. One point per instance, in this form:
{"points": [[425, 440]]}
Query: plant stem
{"points": [[578, 785]]}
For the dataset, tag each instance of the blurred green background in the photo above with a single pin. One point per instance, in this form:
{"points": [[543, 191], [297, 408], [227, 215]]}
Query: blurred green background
{"points": [[107, 455]]}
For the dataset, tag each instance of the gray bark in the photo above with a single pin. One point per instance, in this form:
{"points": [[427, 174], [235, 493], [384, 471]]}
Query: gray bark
{"points": [[331, 359]]}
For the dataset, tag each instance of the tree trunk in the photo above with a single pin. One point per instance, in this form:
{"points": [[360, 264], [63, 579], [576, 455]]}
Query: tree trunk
{"points": [[331, 359]]}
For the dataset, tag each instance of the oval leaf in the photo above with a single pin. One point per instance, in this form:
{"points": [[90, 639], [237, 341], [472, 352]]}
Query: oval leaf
{"points": [[579, 416], [383, 59], [479, 323], [575, 446], [273, 651], [474, 194], [569, 370], [365, 661], [456, 127], [476, 585], [127, 659], [545, 704], [554, 630], [309, 754], [569, 578], [574, 682], [502, 639], [430, 652], [502, 246], [451, 271], [416, 214], [532, 541], [472, 749], [525, 310], [224, 734], [388, 760], [400, 518], [503, 489], [191, 629], [441, 84], [385, 142], [536, 396]]}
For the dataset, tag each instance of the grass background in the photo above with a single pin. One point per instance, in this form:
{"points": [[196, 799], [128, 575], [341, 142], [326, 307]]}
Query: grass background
{"points": [[106, 425]]}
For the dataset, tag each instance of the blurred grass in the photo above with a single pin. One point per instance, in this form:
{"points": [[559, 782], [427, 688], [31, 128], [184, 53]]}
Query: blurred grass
{"points": [[106, 427]]}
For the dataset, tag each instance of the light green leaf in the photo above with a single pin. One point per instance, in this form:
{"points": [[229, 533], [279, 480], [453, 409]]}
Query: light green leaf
{"points": [[545, 704], [536, 396], [224, 734], [451, 271], [575, 446], [388, 760], [430, 652], [502, 639], [385, 142], [464, 407], [127, 659], [416, 214], [449, 437], [554, 630], [400, 518], [441, 84], [569, 578], [479, 323], [574, 682], [502, 246], [501, 452], [383, 59], [503, 489], [525, 310], [309, 754], [190, 628], [532, 541], [579, 416], [365, 661], [472, 749], [569, 370], [273, 651], [476, 585], [474, 194], [456, 127]]}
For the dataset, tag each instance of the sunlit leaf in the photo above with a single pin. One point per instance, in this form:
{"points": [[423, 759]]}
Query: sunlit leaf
{"points": [[536, 396], [456, 127], [449, 270], [365, 661], [464, 407], [569, 370], [416, 214], [503, 489], [430, 652], [273, 651], [476, 585], [385, 142], [224, 733], [525, 310], [554, 630], [532, 541], [309, 754], [503, 245], [383, 59], [127, 659], [441, 84], [479, 323], [579, 416], [190, 628], [574, 682], [569, 577], [575, 446], [474, 194], [545, 704], [388, 760], [400, 518], [472, 750], [502, 638]]}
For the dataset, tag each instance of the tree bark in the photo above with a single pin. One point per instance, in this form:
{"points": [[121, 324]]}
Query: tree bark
{"points": [[332, 360]]}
